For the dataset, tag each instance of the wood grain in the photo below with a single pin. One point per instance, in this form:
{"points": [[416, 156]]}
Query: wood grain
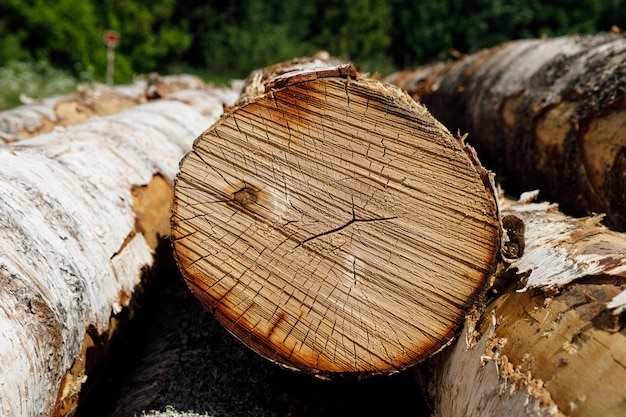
{"points": [[334, 226]]}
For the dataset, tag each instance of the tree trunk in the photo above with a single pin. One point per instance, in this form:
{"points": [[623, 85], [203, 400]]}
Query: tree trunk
{"points": [[548, 114], [81, 213], [334, 226], [43, 115], [551, 341]]}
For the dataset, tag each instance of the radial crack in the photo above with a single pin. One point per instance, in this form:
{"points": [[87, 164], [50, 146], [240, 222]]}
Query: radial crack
{"points": [[339, 228]]}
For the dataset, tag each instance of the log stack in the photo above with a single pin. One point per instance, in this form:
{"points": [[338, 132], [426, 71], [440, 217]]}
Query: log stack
{"points": [[42, 116], [551, 339], [334, 226], [546, 114]]}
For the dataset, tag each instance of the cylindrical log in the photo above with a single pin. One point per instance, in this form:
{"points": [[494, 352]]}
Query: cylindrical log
{"points": [[42, 116], [334, 226], [82, 209], [542, 113], [551, 341]]}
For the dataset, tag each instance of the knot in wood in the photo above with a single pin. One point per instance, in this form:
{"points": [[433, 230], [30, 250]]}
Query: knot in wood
{"points": [[246, 195]]}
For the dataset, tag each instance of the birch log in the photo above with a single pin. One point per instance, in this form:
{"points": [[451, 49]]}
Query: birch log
{"points": [[547, 114], [551, 341], [42, 116], [82, 209], [334, 226]]}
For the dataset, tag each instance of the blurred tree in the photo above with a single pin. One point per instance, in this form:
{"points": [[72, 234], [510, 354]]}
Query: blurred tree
{"points": [[235, 37], [420, 31], [359, 30], [484, 23], [613, 14], [62, 32], [149, 37], [11, 45], [68, 33]]}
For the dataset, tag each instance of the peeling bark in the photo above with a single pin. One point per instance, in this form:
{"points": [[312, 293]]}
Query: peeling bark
{"points": [[42, 116], [82, 209], [547, 114], [552, 340]]}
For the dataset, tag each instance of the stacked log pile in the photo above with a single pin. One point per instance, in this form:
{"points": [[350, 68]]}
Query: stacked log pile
{"points": [[550, 340], [544, 114], [41, 116], [335, 226]]}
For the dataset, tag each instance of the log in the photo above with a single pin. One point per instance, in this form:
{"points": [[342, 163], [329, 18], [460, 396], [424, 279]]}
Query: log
{"points": [[551, 341], [82, 211], [42, 116], [333, 225], [543, 114]]}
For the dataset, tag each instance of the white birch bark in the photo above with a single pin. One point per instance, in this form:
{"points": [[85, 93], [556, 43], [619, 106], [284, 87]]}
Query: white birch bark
{"points": [[41, 116], [551, 341], [72, 255]]}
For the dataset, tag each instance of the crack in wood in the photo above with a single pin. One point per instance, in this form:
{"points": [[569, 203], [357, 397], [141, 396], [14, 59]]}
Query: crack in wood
{"points": [[339, 228]]}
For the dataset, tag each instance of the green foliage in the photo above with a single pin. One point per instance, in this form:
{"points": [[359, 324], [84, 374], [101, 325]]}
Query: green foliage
{"points": [[236, 37], [232, 37], [613, 12], [60, 32], [148, 35], [421, 31], [358, 30], [33, 80], [69, 34], [490, 22]]}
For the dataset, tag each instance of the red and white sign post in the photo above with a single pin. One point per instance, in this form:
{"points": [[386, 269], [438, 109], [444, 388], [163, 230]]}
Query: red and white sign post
{"points": [[111, 38]]}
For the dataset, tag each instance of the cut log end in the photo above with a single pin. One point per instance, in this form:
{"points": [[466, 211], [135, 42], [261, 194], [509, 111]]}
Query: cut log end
{"points": [[334, 226]]}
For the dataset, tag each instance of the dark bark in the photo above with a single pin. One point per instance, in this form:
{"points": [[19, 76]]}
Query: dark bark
{"points": [[546, 114]]}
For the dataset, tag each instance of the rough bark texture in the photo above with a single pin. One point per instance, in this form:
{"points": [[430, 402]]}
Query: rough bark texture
{"points": [[551, 341], [81, 212], [99, 100], [547, 114], [333, 225]]}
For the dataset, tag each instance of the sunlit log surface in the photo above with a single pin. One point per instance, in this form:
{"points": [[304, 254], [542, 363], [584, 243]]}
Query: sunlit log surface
{"points": [[551, 340], [332, 225], [41, 116]]}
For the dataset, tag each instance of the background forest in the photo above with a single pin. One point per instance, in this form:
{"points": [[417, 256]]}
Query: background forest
{"points": [[49, 46]]}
